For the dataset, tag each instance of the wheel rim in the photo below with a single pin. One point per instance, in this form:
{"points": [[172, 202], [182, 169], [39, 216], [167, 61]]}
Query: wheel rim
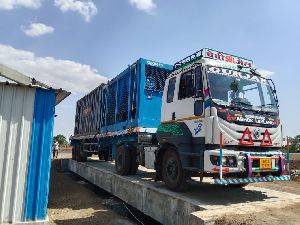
{"points": [[172, 169]]}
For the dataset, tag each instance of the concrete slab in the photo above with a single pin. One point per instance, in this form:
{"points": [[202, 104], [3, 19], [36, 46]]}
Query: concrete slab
{"points": [[201, 204]]}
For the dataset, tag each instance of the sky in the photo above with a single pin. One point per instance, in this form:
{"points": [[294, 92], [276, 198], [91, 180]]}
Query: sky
{"points": [[77, 44]]}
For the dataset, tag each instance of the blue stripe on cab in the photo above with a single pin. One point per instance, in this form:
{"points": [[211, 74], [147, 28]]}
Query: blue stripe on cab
{"points": [[38, 176]]}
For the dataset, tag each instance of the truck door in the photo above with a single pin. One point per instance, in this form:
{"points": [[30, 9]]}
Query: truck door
{"points": [[183, 97], [186, 92]]}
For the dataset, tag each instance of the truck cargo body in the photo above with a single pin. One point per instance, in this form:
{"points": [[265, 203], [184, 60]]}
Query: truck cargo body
{"points": [[130, 102]]}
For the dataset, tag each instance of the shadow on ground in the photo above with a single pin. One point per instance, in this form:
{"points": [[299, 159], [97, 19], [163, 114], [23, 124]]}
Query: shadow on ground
{"points": [[72, 200]]}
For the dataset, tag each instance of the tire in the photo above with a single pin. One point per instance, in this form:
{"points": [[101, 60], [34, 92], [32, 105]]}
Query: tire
{"points": [[73, 153], [83, 158], [77, 154], [174, 176], [122, 162], [100, 156], [106, 157], [133, 164], [79, 157], [106, 154]]}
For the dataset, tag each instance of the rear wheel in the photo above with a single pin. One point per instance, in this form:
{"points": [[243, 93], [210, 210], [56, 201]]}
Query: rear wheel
{"points": [[122, 162], [106, 154], [174, 176], [73, 153], [133, 164], [79, 157], [100, 156]]}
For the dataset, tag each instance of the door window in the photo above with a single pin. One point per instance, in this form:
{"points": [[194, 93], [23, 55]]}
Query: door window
{"points": [[198, 83], [171, 88], [186, 86]]}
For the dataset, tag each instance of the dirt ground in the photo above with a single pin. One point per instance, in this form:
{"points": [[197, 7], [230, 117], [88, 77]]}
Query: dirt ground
{"points": [[73, 201], [286, 214], [271, 216]]}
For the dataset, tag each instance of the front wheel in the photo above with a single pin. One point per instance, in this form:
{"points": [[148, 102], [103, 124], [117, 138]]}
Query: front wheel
{"points": [[174, 176]]}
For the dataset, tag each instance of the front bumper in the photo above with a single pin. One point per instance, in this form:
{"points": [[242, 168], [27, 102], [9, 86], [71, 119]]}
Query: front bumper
{"points": [[248, 163]]}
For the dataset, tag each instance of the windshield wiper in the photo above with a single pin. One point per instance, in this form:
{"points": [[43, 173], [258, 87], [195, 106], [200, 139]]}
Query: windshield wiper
{"points": [[242, 103], [266, 105], [269, 104]]}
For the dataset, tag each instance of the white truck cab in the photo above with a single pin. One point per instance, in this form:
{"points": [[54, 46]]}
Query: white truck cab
{"points": [[219, 118]]}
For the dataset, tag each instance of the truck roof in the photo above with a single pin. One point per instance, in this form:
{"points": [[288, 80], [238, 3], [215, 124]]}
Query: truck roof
{"points": [[212, 54]]}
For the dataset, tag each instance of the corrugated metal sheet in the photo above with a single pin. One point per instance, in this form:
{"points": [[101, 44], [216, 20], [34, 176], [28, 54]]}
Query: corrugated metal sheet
{"points": [[16, 113], [40, 156]]}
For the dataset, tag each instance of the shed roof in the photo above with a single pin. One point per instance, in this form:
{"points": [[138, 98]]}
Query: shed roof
{"points": [[24, 80]]}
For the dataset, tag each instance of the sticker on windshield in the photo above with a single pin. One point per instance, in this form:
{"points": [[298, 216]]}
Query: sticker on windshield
{"points": [[237, 74]]}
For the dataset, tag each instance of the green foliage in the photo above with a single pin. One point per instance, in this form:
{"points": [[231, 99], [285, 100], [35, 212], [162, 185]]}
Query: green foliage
{"points": [[295, 143], [61, 139]]}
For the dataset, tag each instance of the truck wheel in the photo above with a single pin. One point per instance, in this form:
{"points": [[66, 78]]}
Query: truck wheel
{"points": [[79, 157], [122, 162], [173, 174], [77, 154], [133, 165], [73, 153], [83, 158], [106, 155], [100, 156]]}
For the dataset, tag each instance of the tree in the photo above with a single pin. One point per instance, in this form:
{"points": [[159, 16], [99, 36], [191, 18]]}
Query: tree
{"points": [[295, 143], [61, 139]]}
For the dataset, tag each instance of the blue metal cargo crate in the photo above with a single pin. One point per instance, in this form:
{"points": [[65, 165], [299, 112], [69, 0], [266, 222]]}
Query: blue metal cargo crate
{"points": [[130, 100]]}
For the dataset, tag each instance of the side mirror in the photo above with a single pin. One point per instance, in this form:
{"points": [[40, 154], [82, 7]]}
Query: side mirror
{"points": [[198, 108]]}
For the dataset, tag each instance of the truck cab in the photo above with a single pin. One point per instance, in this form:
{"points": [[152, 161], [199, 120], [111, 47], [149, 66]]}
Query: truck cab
{"points": [[220, 118]]}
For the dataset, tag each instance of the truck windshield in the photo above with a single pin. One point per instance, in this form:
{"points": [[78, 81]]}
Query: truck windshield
{"points": [[240, 89]]}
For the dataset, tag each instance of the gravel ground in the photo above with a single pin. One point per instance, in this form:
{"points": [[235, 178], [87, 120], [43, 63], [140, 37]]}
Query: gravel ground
{"points": [[73, 201]]}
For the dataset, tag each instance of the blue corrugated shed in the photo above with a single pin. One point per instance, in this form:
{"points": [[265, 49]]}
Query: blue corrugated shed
{"points": [[26, 132]]}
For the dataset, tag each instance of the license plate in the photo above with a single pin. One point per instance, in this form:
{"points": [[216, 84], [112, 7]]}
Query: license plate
{"points": [[265, 163]]}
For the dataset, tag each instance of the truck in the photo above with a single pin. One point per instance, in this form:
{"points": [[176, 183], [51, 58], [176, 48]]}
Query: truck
{"points": [[211, 114]]}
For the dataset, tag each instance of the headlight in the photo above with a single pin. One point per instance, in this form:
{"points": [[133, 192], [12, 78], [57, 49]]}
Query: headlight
{"points": [[227, 161]]}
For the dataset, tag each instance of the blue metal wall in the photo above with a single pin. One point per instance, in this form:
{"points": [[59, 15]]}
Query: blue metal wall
{"points": [[37, 187]]}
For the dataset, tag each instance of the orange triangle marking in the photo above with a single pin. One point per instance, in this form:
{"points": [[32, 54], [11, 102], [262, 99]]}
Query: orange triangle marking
{"points": [[265, 142], [246, 142]]}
